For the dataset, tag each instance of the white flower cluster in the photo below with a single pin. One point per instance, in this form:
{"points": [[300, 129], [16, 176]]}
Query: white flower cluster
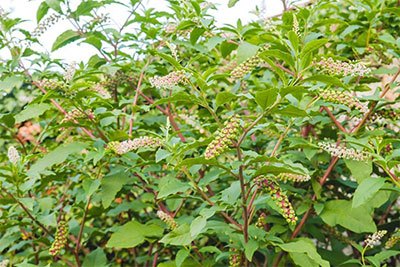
{"points": [[374, 239], [46, 24], [296, 27], [168, 80], [70, 72], [71, 116], [343, 152], [129, 145], [4, 263], [13, 155], [337, 67]]}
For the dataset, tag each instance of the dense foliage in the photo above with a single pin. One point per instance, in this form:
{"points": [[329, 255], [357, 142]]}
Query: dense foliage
{"points": [[181, 143]]}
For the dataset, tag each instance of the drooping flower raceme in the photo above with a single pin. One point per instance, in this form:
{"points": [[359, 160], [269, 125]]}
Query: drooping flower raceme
{"points": [[168, 219], [168, 80], [13, 155], [129, 145], [293, 177], [60, 238], [223, 138], [337, 67], [374, 239], [393, 240], [343, 152], [71, 116], [101, 90], [279, 197], [344, 98]]}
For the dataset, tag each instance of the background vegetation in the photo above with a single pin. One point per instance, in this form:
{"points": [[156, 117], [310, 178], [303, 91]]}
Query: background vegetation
{"points": [[186, 144]]}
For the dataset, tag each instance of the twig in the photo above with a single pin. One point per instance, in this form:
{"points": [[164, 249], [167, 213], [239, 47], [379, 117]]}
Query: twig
{"points": [[330, 114]]}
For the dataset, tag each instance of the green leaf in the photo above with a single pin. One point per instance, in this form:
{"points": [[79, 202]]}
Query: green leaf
{"points": [[366, 190], [171, 60], [95, 258], [294, 41], [266, 98], [161, 154], [42, 11], [359, 169], [303, 260], [58, 155], [111, 185], [9, 83], [170, 185], [7, 119], [179, 97], [31, 111], [181, 257], [245, 51], [232, 3], [86, 7], [312, 45], [179, 237], [195, 35], [197, 226], [132, 234], [54, 4], [223, 98], [249, 249], [358, 220], [325, 79], [292, 111], [379, 258], [305, 246], [65, 38]]}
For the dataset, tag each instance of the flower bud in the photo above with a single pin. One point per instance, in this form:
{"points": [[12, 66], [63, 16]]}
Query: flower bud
{"points": [[344, 98], [248, 65], [168, 219], [169, 80], [13, 155], [129, 145], [293, 177], [337, 67], [374, 239]]}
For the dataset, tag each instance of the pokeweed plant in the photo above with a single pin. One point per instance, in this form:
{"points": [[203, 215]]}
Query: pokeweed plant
{"points": [[184, 143]]}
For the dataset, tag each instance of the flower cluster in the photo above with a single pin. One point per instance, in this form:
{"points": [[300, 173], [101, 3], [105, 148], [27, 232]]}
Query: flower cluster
{"points": [[75, 114], [248, 65], [168, 219], [388, 113], [51, 84], [13, 155], [393, 240], [129, 145], [343, 152], [223, 138], [293, 177], [279, 197], [168, 80], [60, 238], [100, 89], [28, 131], [344, 98], [4, 263], [296, 28], [337, 67], [374, 239], [70, 72], [235, 258], [46, 24]]}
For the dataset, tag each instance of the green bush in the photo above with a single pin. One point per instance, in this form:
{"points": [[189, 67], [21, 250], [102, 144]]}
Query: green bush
{"points": [[181, 143]]}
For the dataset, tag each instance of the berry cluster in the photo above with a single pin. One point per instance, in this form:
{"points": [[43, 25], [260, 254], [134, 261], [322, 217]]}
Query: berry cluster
{"points": [[337, 67], [343, 152], [344, 98], [45, 25], [223, 138], [168, 219], [261, 221], [129, 145], [51, 84], [374, 239], [168, 80], [279, 197], [13, 155], [60, 238], [235, 258], [248, 65], [293, 177]]}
